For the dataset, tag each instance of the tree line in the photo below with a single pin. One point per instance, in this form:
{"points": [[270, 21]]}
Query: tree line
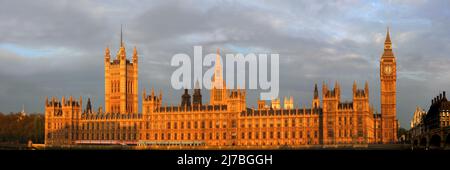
{"points": [[16, 128]]}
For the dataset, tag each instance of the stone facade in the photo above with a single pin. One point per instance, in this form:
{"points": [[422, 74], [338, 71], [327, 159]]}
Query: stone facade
{"points": [[225, 120]]}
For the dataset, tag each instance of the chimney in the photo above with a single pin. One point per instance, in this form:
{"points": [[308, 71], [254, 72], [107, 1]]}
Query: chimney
{"points": [[443, 94]]}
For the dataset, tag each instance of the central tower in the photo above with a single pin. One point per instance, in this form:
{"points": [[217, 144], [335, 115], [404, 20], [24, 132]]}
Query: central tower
{"points": [[219, 90], [121, 81], [388, 78]]}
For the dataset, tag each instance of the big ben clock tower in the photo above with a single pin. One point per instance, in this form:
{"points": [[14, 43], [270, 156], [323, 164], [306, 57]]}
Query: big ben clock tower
{"points": [[388, 78]]}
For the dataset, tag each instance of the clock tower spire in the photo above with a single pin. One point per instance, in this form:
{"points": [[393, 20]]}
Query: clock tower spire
{"points": [[387, 42]]}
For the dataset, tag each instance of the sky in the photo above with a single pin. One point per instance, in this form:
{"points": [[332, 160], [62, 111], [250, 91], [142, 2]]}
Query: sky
{"points": [[56, 48]]}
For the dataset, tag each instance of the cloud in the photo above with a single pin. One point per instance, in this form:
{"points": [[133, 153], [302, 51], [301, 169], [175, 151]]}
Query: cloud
{"points": [[56, 48]]}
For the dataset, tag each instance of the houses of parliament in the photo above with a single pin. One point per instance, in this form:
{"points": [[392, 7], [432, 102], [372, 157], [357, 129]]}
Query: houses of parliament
{"points": [[225, 120]]}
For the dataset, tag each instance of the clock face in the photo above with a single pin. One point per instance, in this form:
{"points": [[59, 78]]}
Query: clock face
{"points": [[387, 69]]}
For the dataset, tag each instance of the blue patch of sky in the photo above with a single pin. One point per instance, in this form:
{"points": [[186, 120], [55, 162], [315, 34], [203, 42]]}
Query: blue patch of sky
{"points": [[25, 51]]}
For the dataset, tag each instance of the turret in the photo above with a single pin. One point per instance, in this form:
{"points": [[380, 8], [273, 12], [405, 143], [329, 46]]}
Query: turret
{"points": [[107, 55], [324, 89], [144, 94], [261, 104], [337, 89], [135, 55], [186, 99], [88, 109], [316, 101], [316, 92], [275, 103], [153, 91], [366, 89], [134, 86], [288, 102], [160, 94], [80, 102], [197, 96]]}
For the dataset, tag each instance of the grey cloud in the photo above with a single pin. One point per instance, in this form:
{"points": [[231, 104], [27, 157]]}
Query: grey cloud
{"points": [[317, 41]]}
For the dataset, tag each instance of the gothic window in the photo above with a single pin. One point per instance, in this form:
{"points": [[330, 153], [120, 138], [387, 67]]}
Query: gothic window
{"points": [[233, 124]]}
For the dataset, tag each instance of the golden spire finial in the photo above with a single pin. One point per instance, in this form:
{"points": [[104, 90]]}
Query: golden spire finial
{"points": [[153, 91], [135, 55], [388, 37], [107, 53]]}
